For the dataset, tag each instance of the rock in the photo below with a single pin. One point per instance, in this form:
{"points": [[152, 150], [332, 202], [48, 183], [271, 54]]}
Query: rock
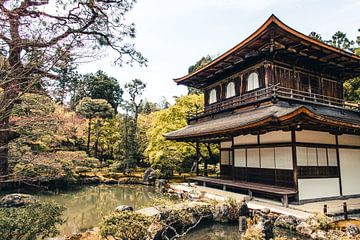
{"points": [[225, 212], [265, 210], [123, 208], [149, 176], [319, 235], [352, 230], [287, 221], [16, 200], [150, 211], [304, 228], [155, 230]]}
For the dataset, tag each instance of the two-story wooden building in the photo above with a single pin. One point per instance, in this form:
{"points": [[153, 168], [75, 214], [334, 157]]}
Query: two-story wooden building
{"points": [[275, 105]]}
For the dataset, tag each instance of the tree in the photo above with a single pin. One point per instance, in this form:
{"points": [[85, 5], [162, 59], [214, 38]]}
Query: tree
{"points": [[339, 40], [62, 87], [199, 64], [166, 154], [34, 39], [135, 89], [316, 36], [94, 109], [98, 86]]}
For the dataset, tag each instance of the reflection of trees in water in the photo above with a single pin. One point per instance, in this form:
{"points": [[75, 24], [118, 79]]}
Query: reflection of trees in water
{"points": [[86, 207], [214, 232]]}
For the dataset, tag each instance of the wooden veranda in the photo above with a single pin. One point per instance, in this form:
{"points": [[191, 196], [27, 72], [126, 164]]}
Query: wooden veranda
{"points": [[250, 187]]}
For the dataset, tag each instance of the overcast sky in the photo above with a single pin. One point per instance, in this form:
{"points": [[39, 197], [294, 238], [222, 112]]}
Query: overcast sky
{"points": [[174, 34]]}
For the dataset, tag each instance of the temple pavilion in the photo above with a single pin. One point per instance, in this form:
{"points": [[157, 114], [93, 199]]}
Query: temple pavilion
{"points": [[274, 104]]}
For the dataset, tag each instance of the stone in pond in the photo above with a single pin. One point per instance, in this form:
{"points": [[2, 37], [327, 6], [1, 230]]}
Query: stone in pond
{"points": [[16, 200], [123, 208]]}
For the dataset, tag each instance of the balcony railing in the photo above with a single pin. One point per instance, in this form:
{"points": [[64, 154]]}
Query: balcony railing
{"points": [[275, 91]]}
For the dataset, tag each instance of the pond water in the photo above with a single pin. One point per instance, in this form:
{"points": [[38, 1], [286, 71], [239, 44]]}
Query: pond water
{"points": [[87, 205], [218, 231]]}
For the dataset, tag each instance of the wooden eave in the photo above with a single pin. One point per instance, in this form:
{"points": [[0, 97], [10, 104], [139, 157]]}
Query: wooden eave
{"points": [[268, 119], [275, 36]]}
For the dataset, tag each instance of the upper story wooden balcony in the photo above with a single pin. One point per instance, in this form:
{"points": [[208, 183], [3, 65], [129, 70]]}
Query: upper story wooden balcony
{"points": [[273, 92]]}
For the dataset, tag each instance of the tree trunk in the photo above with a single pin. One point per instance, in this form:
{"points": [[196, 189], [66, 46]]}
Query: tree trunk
{"points": [[97, 128], [5, 137], [88, 138]]}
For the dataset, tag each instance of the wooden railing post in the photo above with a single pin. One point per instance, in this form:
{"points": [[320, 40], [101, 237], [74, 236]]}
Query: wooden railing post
{"points": [[325, 209], [345, 211]]}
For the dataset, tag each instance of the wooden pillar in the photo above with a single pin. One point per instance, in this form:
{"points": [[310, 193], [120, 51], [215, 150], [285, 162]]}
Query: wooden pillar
{"points": [[338, 163], [233, 158], [197, 157], [294, 159], [205, 166]]}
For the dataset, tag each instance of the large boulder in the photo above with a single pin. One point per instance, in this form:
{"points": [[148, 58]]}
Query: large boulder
{"points": [[287, 221], [123, 208], [149, 176], [225, 212], [16, 200], [304, 228]]}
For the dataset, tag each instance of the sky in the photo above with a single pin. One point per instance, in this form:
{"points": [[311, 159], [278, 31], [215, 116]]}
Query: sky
{"points": [[174, 34]]}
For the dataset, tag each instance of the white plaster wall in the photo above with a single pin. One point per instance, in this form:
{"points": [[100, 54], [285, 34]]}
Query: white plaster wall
{"points": [[347, 139], [309, 136], [247, 139], [226, 144], [240, 157], [318, 188], [276, 137], [349, 168]]}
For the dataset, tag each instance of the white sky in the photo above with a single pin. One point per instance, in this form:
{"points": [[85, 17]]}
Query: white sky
{"points": [[174, 34]]}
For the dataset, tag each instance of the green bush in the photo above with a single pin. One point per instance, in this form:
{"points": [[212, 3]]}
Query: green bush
{"points": [[125, 225], [30, 222]]}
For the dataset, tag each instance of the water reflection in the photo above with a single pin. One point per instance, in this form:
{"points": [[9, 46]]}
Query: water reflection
{"points": [[86, 206]]}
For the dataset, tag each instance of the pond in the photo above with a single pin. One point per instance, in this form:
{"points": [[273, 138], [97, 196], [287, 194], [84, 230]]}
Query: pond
{"points": [[218, 231], [87, 205]]}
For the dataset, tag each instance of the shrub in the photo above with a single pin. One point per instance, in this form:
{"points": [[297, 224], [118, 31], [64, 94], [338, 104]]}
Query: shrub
{"points": [[30, 222], [125, 225]]}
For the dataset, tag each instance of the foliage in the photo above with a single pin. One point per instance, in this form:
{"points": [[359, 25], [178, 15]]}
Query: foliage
{"points": [[199, 64], [97, 86], [92, 108], [55, 165], [125, 225], [319, 221], [352, 90], [341, 41], [35, 40], [44, 125], [254, 233], [30, 222], [169, 155], [160, 150]]}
